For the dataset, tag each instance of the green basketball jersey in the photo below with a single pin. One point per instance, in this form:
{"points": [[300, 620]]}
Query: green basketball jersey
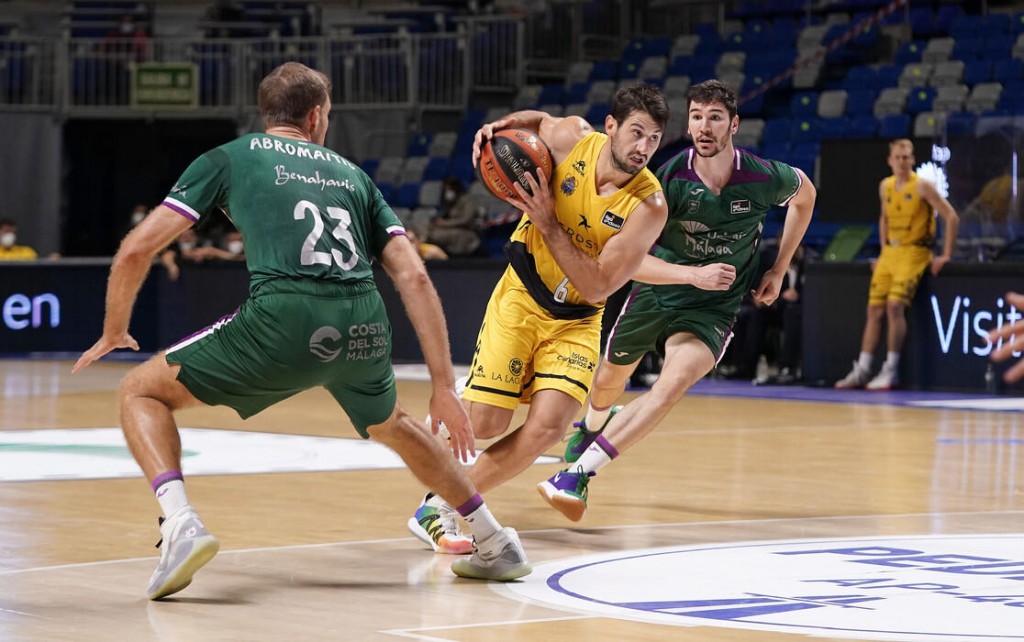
{"points": [[704, 227], [304, 211]]}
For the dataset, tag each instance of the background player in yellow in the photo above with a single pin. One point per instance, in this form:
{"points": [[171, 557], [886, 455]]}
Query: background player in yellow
{"points": [[581, 238], [906, 230]]}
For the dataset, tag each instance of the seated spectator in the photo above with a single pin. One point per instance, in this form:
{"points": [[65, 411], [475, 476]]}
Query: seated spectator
{"points": [[138, 214], [457, 227], [427, 251], [9, 249], [128, 37], [189, 246]]}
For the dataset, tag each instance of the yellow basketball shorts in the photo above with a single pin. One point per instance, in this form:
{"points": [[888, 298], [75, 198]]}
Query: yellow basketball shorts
{"points": [[897, 273], [521, 349]]}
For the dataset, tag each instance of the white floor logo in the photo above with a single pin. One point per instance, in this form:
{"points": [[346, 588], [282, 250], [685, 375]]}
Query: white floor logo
{"points": [[100, 453], [944, 587]]}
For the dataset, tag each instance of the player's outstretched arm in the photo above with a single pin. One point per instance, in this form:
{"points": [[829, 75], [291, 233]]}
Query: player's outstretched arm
{"points": [[798, 218], [423, 306], [127, 273], [713, 276], [1012, 337]]}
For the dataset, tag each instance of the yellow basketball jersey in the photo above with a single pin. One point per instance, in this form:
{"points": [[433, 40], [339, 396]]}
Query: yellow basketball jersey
{"points": [[589, 219], [909, 217]]}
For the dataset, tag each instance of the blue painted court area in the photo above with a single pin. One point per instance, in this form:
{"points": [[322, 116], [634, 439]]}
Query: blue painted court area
{"points": [[1012, 401]]}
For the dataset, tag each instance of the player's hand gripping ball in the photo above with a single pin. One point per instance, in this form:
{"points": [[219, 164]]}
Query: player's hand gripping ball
{"points": [[507, 157]]}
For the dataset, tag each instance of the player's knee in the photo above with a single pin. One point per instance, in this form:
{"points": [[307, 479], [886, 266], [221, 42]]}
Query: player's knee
{"points": [[667, 391], [544, 434], [488, 429]]}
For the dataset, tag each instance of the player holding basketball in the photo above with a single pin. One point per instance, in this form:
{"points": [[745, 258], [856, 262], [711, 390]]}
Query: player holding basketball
{"points": [[580, 240], [718, 197], [312, 223]]}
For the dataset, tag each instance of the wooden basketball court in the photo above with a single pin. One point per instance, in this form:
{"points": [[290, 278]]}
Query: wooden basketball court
{"points": [[326, 555]]}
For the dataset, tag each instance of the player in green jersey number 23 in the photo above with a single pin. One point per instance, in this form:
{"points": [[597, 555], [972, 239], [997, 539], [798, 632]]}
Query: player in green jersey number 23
{"points": [[309, 242]]}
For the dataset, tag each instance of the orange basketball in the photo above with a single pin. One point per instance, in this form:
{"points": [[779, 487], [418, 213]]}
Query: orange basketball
{"points": [[508, 156]]}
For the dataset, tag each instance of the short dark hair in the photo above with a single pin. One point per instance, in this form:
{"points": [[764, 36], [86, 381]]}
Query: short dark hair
{"points": [[712, 91], [643, 97], [288, 93]]}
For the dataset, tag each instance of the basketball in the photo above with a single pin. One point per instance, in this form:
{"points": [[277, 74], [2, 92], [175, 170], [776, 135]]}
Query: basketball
{"points": [[508, 156]]}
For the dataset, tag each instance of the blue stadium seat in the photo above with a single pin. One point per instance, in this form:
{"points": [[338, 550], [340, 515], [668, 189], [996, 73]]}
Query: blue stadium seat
{"points": [[576, 93], [436, 169], [753, 106], [945, 16], [833, 128], [804, 157], [970, 26], [888, 76], [909, 51], [920, 21], [977, 71], [775, 151], [806, 130], [551, 94], [860, 101], [895, 126], [920, 99], [996, 23], [863, 126], [462, 167], [595, 115], [968, 48], [804, 104], [604, 70], [997, 46], [408, 195], [961, 123], [680, 65], [387, 190], [418, 145], [859, 78], [1008, 71], [1012, 98], [369, 165], [776, 130]]}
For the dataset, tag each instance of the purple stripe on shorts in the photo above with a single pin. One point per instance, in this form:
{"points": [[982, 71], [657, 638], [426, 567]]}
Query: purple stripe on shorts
{"points": [[221, 321], [625, 306], [163, 478], [607, 446], [473, 503]]}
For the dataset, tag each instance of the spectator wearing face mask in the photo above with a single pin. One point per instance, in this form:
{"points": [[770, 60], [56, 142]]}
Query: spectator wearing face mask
{"points": [[128, 38], [9, 248], [457, 227], [234, 246], [189, 246]]}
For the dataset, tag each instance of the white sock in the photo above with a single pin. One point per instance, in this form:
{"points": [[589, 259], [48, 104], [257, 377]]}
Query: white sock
{"points": [[596, 418], [892, 360], [596, 456], [479, 519], [864, 360], [172, 497]]}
